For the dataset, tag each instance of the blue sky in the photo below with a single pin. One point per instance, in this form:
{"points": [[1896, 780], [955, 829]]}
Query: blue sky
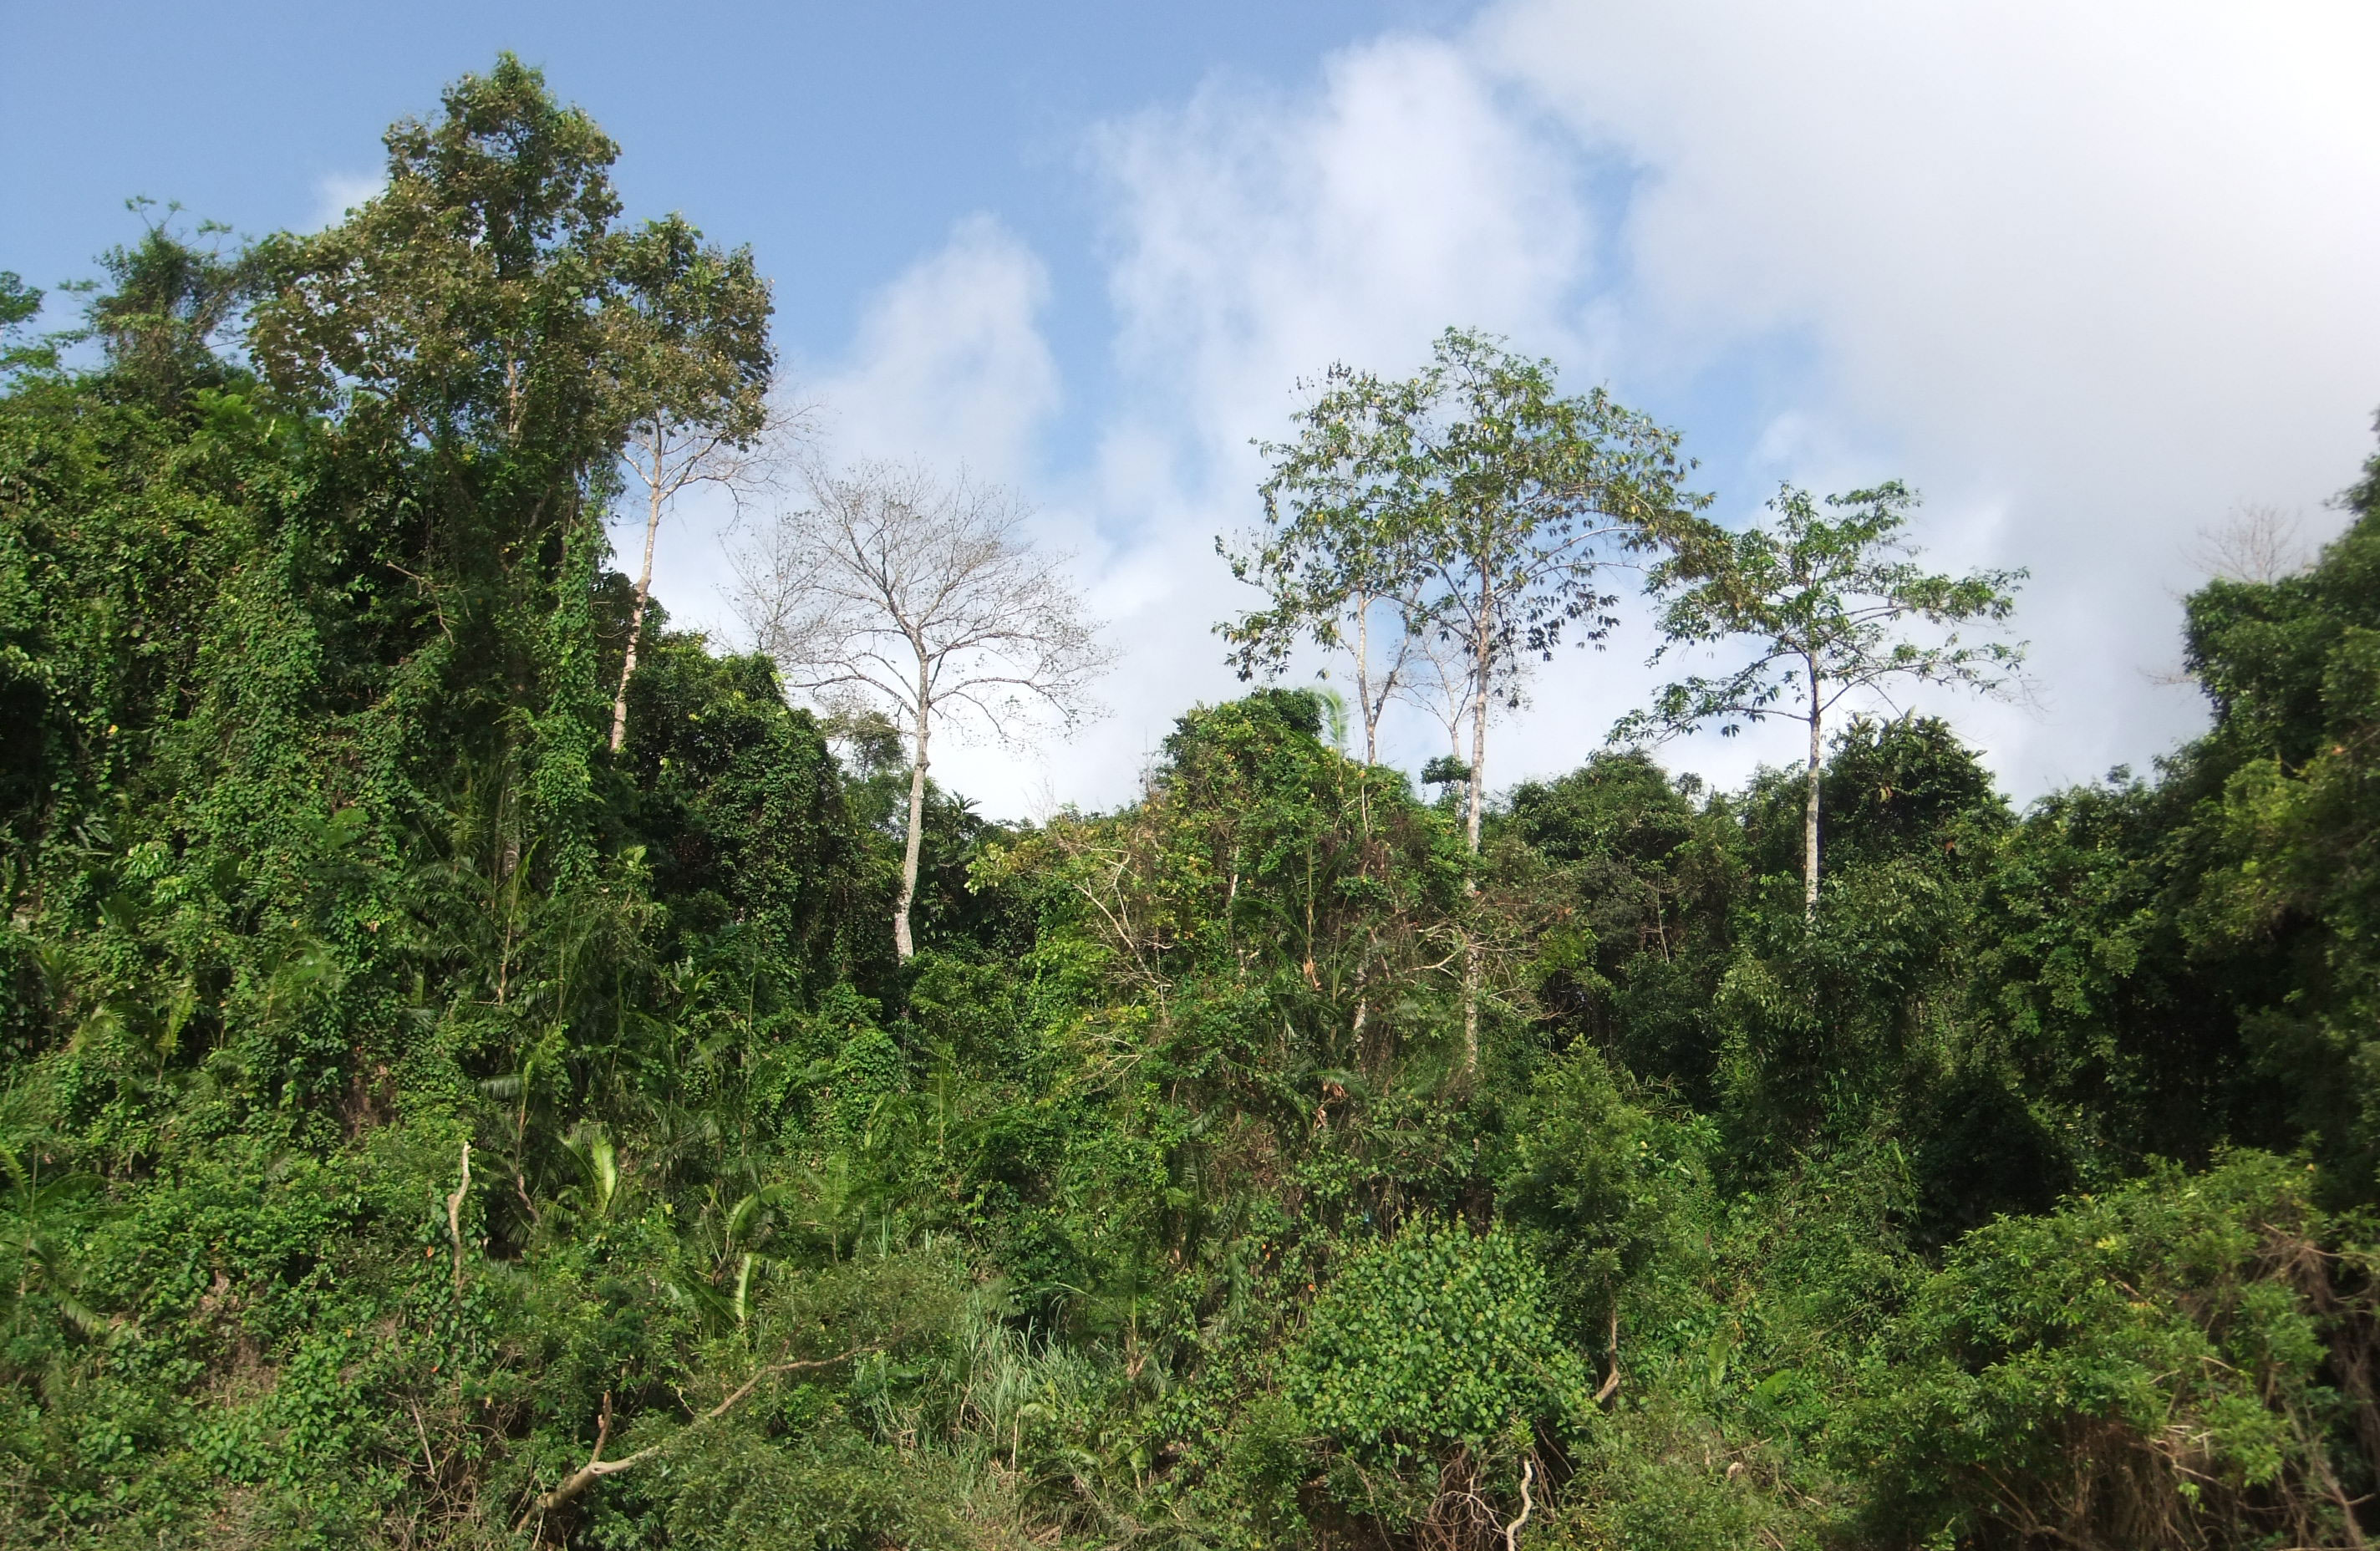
{"points": [[2092, 278], [840, 140]]}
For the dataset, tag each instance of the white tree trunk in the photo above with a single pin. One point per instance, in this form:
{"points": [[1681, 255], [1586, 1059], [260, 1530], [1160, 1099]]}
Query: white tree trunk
{"points": [[637, 614], [1478, 793], [902, 943], [1482, 665], [1810, 808], [1363, 683]]}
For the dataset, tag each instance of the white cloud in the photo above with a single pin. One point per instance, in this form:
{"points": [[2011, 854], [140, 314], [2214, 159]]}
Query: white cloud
{"points": [[2088, 275], [2091, 275], [1252, 238], [1256, 238], [949, 360], [1259, 237]]}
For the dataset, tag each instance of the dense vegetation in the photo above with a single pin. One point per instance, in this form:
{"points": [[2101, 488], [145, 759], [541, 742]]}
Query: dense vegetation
{"points": [[423, 1125]]}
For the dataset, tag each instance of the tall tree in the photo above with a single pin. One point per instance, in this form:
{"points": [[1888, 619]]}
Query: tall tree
{"points": [[1829, 602], [1517, 497], [1336, 559], [923, 597], [482, 334], [694, 333], [1476, 501]]}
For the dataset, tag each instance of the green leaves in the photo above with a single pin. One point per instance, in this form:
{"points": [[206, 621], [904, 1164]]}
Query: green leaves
{"points": [[1825, 606], [1827, 612], [1473, 503], [1435, 1338], [2151, 1365]]}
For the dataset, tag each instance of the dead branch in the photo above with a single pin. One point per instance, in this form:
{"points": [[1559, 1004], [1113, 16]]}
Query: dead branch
{"points": [[597, 1467], [1512, 1530], [1610, 1385]]}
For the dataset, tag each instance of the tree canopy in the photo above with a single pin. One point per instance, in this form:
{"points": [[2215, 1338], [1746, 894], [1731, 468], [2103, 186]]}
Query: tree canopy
{"points": [[437, 1109]]}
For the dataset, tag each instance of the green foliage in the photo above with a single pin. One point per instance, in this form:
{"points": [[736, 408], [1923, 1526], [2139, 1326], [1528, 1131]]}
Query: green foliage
{"points": [[1474, 503], [2277, 859], [1603, 1182], [2158, 1366], [1818, 596], [1435, 1337], [410, 1101]]}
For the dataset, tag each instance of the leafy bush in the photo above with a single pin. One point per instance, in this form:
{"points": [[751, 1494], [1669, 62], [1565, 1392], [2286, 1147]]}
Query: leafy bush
{"points": [[1436, 1338], [2164, 1365]]}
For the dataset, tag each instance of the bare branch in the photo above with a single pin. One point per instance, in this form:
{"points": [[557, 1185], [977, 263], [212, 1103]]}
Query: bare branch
{"points": [[893, 589], [2255, 543], [597, 1467]]}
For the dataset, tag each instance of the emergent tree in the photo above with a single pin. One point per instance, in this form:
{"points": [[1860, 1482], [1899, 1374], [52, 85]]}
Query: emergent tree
{"points": [[922, 597], [1336, 559], [1522, 496], [1828, 603], [692, 333], [1479, 502]]}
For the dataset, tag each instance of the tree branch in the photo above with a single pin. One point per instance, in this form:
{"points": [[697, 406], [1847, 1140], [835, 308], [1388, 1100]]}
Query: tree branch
{"points": [[597, 1467]]}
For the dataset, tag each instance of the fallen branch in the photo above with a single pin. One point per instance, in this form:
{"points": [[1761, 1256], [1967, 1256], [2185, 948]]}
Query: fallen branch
{"points": [[597, 1467]]}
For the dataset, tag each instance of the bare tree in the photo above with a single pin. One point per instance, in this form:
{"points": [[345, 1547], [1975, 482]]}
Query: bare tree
{"points": [[921, 597], [2255, 543]]}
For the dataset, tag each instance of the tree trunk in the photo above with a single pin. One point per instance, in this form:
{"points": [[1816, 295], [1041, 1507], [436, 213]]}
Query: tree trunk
{"points": [[1363, 683], [1482, 664], [1810, 809], [902, 943], [637, 614], [1478, 794]]}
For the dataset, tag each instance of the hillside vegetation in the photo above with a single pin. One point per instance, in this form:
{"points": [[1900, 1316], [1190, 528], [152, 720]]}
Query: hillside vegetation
{"points": [[425, 1125]]}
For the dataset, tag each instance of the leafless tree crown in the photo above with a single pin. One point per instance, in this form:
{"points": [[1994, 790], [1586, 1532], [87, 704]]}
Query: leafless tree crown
{"points": [[892, 587], [2254, 544]]}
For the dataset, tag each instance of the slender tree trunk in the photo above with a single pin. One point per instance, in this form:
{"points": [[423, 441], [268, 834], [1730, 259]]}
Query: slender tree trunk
{"points": [[1482, 662], [902, 943], [637, 614], [1810, 806], [1478, 794], [1363, 682], [1364, 805]]}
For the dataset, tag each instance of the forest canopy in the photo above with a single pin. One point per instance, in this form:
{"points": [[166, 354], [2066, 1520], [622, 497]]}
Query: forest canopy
{"points": [[463, 1087]]}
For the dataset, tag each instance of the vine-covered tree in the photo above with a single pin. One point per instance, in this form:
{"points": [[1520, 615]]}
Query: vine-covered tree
{"points": [[1828, 603]]}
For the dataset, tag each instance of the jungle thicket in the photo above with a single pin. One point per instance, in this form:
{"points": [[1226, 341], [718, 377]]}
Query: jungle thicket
{"points": [[441, 1111]]}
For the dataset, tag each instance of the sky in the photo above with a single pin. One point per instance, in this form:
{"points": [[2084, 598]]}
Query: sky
{"points": [[2092, 279]]}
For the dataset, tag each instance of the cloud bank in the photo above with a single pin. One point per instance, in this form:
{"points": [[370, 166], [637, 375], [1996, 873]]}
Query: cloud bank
{"points": [[2090, 277]]}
